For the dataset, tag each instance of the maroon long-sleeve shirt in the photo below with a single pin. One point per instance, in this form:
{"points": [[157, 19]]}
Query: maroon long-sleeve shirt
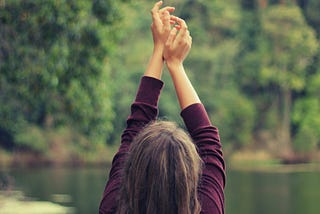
{"points": [[204, 135]]}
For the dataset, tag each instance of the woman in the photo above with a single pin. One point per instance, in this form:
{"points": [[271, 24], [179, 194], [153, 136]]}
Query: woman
{"points": [[159, 168]]}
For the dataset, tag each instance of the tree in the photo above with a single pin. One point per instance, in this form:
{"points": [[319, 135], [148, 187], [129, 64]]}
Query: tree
{"points": [[248, 63], [291, 46], [306, 110], [54, 70], [276, 48]]}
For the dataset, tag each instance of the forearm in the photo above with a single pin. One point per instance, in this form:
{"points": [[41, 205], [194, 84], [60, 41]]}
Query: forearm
{"points": [[185, 91], [155, 65]]}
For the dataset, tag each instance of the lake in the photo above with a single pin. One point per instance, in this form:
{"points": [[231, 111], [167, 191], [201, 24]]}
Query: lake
{"points": [[280, 191]]}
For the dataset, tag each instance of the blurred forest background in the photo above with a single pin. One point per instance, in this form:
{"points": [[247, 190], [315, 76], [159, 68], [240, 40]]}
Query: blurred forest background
{"points": [[70, 70]]}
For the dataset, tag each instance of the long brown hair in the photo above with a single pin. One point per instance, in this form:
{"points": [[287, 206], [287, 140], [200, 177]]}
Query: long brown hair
{"points": [[161, 173]]}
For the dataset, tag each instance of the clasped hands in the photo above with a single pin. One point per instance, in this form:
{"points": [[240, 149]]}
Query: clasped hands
{"points": [[170, 34]]}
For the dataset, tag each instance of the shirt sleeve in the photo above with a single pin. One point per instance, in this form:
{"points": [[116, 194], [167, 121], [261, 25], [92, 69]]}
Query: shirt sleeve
{"points": [[143, 110], [207, 140]]}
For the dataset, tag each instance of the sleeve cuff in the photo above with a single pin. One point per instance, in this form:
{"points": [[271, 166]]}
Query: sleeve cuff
{"points": [[149, 90], [195, 116]]}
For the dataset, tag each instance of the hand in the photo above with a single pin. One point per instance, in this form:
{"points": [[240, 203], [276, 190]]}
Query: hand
{"points": [[161, 24], [178, 43]]}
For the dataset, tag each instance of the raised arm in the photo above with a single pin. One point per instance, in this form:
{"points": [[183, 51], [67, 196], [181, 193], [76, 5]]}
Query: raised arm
{"points": [[149, 88], [144, 108], [177, 48], [204, 135], [160, 28]]}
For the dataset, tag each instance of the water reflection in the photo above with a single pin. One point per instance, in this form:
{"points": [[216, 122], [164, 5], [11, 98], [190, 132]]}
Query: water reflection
{"points": [[273, 192], [75, 187], [247, 192]]}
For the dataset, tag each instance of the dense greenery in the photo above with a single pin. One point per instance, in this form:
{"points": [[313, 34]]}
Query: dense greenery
{"points": [[74, 65], [54, 70]]}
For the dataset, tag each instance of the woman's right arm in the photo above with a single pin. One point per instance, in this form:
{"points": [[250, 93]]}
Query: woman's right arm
{"points": [[204, 135], [176, 49], [207, 140]]}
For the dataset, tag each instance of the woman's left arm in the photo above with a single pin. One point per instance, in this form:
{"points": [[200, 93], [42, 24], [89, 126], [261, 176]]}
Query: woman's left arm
{"points": [[145, 107], [143, 110]]}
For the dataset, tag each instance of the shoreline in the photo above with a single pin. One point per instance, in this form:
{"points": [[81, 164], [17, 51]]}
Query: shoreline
{"points": [[102, 157], [27, 159], [12, 201]]}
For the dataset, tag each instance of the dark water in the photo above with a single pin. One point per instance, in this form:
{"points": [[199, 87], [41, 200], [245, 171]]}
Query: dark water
{"points": [[273, 192], [247, 192]]}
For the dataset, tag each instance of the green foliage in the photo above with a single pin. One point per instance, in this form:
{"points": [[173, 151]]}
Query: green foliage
{"points": [[311, 11], [306, 115], [53, 66], [292, 43], [313, 86], [76, 65], [277, 46], [249, 55], [292, 46], [236, 111], [32, 137], [213, 73]]}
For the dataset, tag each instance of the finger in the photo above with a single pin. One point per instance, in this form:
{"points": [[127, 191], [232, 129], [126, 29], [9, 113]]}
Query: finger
{"points": [[171, 37], [189, 37], [157, 6], [181, 23], [167, 8], [176, 20], [165, 12], [182, 27], [166, 21], [178, 27], [188, 33], [172, 22], [155, 12]]}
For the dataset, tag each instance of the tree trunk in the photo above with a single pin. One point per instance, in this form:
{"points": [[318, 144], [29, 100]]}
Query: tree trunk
{"points": [[284, 133]]}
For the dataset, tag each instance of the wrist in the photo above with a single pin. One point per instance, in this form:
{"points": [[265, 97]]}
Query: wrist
{"points": [[158, 51], [175, 68], [155, 65], [174, 64]]}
